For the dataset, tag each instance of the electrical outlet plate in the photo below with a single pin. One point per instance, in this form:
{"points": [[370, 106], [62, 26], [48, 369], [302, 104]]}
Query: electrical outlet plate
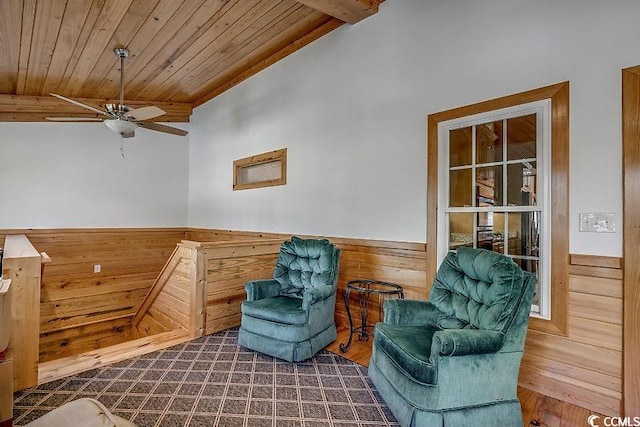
{"points": [[96, 268], [598, 222]]}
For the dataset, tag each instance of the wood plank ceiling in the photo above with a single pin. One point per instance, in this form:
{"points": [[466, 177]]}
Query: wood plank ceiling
{"points": [[182, 52]]}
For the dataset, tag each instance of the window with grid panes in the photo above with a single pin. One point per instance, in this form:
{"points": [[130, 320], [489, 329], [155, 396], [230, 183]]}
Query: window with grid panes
{"points": [[494, 189]]}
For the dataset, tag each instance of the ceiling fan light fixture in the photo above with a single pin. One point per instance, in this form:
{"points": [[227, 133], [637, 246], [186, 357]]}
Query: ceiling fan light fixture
{"points": [[120, 126]]}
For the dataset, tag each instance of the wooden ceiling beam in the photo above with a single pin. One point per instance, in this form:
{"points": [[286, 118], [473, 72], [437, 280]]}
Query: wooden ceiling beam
{"points": [[350, 11], [22, 108]]}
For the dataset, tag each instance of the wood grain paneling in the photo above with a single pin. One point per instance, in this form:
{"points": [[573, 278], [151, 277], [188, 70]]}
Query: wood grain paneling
{"points": [[71, 365], [229, 266], [181, 51], [93, 336], [81, 310], [175, 300], [350, 11], [21, 264], [398, 262], [631, 233], [585, 366]]}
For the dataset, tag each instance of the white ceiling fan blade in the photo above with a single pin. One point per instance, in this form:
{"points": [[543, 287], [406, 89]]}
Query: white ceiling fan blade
{"points": [[79, 104], [73, 119], [145, 113], [162, 128]]}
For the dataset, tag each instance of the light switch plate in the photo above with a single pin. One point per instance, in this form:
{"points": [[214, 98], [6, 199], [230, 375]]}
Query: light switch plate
{"points": [[598, 222]]}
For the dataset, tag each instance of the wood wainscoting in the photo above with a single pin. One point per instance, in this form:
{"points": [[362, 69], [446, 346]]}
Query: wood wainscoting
{"points": [[584, 367], [81, 310], [398, 262]]}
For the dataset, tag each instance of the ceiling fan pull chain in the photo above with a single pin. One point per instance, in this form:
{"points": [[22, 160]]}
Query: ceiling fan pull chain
{"points": [[122, 147]]}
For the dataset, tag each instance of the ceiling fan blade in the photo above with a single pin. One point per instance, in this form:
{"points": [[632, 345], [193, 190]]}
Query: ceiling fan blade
{"points": [[145, 113], [79, 104], [73, 119], [162, 128]]}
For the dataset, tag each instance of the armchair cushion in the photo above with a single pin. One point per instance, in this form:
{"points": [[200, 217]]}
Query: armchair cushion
{"points": [[281, 309], [304, 264], [260, 289], [409, 347], [460, 342], [313, 295], [410, 312], [476, 289]]}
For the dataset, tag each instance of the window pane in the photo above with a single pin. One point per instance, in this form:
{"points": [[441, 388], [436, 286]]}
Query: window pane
{"points": [[489, 186], [460, 147], [524, 233], [521, 137], [489, 142], [522, 187], [497, 244], [484, 232], [460, 229], [460, 188], [261, 172]]}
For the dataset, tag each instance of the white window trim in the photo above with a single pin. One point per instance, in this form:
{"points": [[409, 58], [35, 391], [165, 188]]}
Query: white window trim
{"points": [[542, 109]]}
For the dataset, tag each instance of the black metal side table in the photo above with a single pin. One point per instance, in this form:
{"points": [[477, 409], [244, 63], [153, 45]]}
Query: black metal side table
{"points": [[365, 289]]}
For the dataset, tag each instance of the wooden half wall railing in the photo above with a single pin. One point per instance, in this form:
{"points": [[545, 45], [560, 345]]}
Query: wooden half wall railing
{"points": [[201, 286], [174, 301], [22, 263]]}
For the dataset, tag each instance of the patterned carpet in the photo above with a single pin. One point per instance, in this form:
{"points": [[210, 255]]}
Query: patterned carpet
{"points": [[211, 381]]}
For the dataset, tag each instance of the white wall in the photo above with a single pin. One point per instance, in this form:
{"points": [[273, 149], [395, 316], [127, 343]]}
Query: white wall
{"points": [[351, 109], [71, 175]]}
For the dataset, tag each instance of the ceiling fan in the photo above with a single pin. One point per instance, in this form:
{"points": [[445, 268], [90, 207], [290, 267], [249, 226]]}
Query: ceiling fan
{"points": [[118, 117]]}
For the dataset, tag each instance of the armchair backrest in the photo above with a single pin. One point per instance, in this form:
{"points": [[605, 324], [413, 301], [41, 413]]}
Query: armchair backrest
{"points": [[306, 263], [480, 289]]}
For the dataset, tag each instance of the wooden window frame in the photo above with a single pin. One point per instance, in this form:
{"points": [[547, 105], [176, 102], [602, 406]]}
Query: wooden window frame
{"points": [[559, 96], [271, 156], [631, 238]]}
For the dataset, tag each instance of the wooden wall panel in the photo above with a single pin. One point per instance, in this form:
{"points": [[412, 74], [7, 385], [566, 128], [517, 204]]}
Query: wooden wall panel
{"points": [[170, 308], [93, 336], [82, 310], [228, 268], [398, 262], [585, 366], [21, 264]]}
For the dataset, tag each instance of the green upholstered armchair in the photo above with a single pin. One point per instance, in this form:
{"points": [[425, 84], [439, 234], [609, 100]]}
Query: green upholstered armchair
{"points": [[454, 360], [291, 316]]}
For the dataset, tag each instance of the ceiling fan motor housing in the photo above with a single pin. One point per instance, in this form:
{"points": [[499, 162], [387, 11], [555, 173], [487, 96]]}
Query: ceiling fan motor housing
{"points": [[121, 52], [122, 119], [117, 109]]}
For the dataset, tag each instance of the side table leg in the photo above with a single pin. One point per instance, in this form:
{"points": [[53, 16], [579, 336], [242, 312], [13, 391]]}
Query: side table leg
{"points": [[344, 348]]}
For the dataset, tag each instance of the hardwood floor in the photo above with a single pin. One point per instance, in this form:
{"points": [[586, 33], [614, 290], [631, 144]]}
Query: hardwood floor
{"points": [[537, 409]]}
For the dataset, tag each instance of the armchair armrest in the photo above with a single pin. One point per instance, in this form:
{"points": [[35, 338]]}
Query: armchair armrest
{"points": [[261, 289], [410, 312], [316, 294], [460, 342]]}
